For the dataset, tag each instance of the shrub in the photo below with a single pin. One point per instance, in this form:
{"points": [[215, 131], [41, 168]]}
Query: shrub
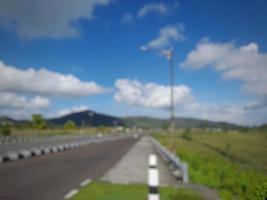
{"points": [[70, 125], [38, 121]]}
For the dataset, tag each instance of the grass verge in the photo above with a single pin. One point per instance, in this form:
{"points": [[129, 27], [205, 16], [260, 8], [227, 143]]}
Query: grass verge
{"points": [[107, 191], [209, 167]]}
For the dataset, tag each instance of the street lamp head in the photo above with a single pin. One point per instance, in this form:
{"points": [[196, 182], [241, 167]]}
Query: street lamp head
{"points": [[168, 53]]}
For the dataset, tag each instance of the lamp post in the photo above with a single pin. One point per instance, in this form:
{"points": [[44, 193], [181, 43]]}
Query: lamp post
{"points": [[169, 55]]}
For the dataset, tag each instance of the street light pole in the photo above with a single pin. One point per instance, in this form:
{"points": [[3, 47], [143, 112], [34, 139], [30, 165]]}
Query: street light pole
{"points": [[169, 55], [172, 113]]}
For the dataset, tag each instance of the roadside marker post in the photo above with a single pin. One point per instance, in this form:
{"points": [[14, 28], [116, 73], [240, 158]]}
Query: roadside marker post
{"points": [[153, 178], [185, 172]]}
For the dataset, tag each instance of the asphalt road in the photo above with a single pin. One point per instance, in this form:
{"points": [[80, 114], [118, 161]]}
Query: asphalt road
{"points": [[50, 177]]}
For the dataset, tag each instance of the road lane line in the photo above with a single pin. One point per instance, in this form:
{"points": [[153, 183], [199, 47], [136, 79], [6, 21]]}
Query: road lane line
{"points": [[85, 182], [71, 194]]}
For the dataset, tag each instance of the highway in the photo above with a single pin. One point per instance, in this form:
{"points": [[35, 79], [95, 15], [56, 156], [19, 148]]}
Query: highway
{"points": [[50, 177]]}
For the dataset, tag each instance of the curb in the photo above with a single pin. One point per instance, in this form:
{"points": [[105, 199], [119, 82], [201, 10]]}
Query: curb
{"points": [[43, 150]]}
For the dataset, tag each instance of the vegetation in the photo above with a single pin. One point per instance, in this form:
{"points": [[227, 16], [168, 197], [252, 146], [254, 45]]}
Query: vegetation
{"points": [[233, 163], [70, 125], [5, 129], [108, 191], [38, 121], [149, 122]]}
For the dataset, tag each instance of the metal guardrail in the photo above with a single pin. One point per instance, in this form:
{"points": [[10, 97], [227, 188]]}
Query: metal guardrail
{"points": [[172, 159]]}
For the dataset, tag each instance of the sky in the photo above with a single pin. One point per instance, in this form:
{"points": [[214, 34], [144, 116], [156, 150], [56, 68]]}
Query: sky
{"points": [[111, 56]]}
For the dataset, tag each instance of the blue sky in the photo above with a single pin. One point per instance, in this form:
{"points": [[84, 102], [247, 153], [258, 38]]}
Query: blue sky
{"points": [[219, 57]]}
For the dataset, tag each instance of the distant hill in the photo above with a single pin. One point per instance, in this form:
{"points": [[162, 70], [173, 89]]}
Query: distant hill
{"points": [[9, 120], [180, 122], [87, 118], [263, 128]]}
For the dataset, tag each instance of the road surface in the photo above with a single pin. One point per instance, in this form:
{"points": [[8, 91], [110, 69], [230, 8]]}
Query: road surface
{"points": [[50, 177]]}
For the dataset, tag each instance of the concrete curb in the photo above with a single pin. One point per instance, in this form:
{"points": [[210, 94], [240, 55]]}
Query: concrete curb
{"points": [[10, 156], [24, 154], [43, 150]]}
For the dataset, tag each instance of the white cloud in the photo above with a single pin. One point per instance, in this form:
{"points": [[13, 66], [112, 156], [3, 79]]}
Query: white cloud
{"points": [[10, 100], [159, 8], [50, 19], [133, 92], [127, 19], [234, 113], [44, 82], [21, 107], [149, 96], [243, 63], [19, 114], [167, 35], [67, 111]]}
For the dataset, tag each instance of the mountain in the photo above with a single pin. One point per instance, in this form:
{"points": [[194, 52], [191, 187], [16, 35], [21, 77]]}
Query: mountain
{"points": [[87, 118], [91, 118]]}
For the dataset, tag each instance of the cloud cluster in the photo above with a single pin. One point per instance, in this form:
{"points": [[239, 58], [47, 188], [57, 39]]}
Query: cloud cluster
{"points": [[149, 96], [244, 63], [47, 19], [10, 100], [21, 106], [44, 82], [127, 19], [67, 111], [26, 91], [133, 92], [167, 35], [159, 8], [155, 8]]}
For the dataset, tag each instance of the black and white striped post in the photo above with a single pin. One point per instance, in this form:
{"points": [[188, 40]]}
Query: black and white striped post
{"points": [[153, 178]]}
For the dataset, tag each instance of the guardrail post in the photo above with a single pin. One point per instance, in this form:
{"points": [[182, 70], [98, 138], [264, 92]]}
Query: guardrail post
{"points": [[153, 178], [185, 172]]}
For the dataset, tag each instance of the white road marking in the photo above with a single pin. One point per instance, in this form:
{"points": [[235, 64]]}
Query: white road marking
{"points": [[71, 194], [85, 182]]}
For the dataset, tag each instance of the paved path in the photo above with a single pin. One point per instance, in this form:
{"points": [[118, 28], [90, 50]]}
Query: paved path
{"points": [[50, 177], [133, 167]]}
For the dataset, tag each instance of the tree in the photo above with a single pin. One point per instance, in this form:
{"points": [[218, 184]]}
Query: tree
{"points": [[69, 125], [38, 121]]}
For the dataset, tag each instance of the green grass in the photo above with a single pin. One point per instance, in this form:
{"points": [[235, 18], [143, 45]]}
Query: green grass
{"points": [[108, 191], [207, 166], [250, 148]]}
